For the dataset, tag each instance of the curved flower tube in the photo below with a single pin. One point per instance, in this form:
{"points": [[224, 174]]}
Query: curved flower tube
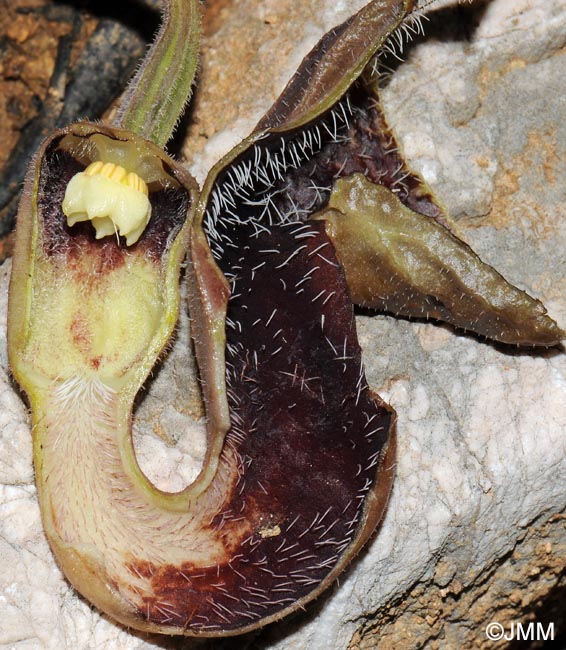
{"points": [[87, 320], [286, 496], [301, 452]]}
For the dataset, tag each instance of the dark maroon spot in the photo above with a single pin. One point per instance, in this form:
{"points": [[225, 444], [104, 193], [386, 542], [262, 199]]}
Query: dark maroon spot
{"points": [[141, 568]]}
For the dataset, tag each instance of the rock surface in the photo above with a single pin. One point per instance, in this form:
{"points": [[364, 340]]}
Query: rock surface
{"points": [[475, 530]]}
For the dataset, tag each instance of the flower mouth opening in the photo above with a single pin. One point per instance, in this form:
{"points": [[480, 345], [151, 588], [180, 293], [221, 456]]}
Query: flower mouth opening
{"points": [[110, 194]]}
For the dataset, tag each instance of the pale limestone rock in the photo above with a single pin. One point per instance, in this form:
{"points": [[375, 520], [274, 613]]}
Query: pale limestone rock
{"points": [[481, 460]]}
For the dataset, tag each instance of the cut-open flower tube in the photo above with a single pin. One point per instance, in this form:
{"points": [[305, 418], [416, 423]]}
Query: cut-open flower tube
{"points": [[88, 319], [301, 452]]}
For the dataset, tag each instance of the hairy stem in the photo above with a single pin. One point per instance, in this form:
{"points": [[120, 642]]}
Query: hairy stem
{"points": [[159, 91]]}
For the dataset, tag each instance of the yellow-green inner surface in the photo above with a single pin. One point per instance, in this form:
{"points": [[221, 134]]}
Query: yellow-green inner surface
{"points": [[91, 323]]}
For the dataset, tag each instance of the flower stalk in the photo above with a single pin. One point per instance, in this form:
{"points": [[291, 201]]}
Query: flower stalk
{"points": [[161, 88]]}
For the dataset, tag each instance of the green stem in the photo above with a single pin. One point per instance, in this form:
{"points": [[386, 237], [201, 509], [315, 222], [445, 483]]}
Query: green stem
{"points": [[156, 96]]}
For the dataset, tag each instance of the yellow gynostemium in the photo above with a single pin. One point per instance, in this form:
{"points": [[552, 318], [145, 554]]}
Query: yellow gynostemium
{"points": [[113, 199]]}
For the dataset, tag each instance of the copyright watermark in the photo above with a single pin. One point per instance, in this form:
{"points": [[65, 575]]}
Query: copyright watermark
{"points": [[517, 631]]}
